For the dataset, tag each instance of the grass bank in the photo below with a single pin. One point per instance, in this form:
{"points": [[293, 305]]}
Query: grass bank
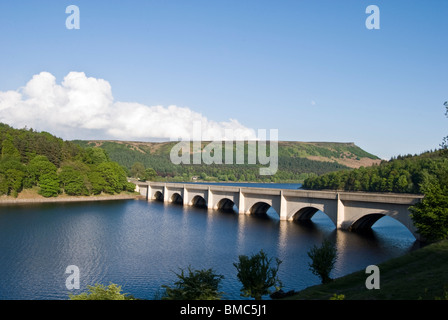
{"points": [[421, 274]]}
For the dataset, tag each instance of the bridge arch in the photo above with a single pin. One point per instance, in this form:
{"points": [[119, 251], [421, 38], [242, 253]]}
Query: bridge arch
{"points": [[305, 213], [226, 205], [176, 198], [367, 220], [199, 202], [158, 196], [261, 208]]}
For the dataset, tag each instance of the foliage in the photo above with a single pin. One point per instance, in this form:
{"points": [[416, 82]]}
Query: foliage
{"points": [[137, 170], [403, 174], [73, 181], [444, 144], [195, 285], [49, 185], [8, 148], [430, 216], [257, 275], [29, 158], [337, 297], [150, 174], [101, 292], [322, 260], [38, 166]]}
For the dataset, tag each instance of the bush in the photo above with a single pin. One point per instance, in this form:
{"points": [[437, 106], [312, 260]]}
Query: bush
{"points": [[195, 285], [101, 292], [323, 260], [256, 275], [430, 216]]}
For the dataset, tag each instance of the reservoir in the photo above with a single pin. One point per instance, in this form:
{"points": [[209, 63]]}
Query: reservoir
{"points": [[140, 246]]}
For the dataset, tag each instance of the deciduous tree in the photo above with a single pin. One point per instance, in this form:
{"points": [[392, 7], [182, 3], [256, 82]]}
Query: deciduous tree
{"points": [[195, 285], [257, 274]]}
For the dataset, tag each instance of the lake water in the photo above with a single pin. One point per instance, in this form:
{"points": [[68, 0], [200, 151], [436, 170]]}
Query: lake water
{"points": [[140, 245]]}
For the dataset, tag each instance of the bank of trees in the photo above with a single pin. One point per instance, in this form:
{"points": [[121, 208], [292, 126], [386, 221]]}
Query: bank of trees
{"points": [[38, 159], [403, 174]]}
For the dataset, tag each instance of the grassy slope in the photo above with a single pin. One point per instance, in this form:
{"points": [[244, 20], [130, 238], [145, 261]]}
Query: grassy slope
{"points": [[421, 274]]}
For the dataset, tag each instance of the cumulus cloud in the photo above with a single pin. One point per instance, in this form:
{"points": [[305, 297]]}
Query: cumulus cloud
{"points": [[83, 107]]}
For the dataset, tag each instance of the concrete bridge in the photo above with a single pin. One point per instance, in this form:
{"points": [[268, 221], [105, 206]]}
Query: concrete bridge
{"points": [[347, 210]]}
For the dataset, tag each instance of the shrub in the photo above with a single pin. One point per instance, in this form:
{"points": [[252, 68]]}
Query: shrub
{"points": [[323, 259]]}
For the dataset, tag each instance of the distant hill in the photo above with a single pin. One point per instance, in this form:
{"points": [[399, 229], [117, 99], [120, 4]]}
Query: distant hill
{"points": [[297, 160]]}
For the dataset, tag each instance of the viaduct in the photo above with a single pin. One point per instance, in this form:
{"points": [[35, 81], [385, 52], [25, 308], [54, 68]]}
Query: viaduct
{"points": [[347, 210]]}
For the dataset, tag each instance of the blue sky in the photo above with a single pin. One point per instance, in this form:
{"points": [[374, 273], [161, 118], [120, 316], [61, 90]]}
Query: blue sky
{"points": [[310, 69]]}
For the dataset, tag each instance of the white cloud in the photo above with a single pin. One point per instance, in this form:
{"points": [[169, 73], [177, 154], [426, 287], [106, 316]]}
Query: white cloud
{"points": [[83, 107]]}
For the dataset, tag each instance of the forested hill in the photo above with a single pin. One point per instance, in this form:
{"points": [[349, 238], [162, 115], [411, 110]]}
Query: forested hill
{"points": [[403, 174], [30, 159], [297, 161]]}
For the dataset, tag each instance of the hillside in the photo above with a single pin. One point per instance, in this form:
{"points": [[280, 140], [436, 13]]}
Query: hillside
{"points": [[297, 160]]}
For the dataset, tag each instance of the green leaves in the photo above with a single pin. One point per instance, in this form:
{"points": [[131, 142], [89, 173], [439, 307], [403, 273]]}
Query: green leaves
{"points": [[322, 260], [29, 158], [430, 216], [257, 274], [195, 285], [101, 292], [49, 185], [73, 181]]}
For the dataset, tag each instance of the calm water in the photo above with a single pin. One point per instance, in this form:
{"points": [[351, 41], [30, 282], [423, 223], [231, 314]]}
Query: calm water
{"points": [[139, 245]]}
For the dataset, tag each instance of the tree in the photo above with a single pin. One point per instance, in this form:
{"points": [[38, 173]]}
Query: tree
{"points": [[444, 144], [150, 173], [4, 186], [72, 182], [15, 180], [257, 275], [95, 156], [97, 182], [322, 260], [101, 292], [8, 148], [430, 216], [138, 170], [195, 285], [37, 167], [49, 185], [108, 177]]}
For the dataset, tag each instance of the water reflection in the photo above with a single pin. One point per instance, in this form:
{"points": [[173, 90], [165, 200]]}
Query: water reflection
{"points": [[140, 245]]}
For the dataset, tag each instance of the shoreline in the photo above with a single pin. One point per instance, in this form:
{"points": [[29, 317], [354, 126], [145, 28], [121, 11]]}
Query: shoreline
{"points": [[61, 199]]}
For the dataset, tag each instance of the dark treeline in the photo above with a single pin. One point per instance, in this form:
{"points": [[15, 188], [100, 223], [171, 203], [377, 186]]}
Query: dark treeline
{"points": [[38, 159], [402, 174]]}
